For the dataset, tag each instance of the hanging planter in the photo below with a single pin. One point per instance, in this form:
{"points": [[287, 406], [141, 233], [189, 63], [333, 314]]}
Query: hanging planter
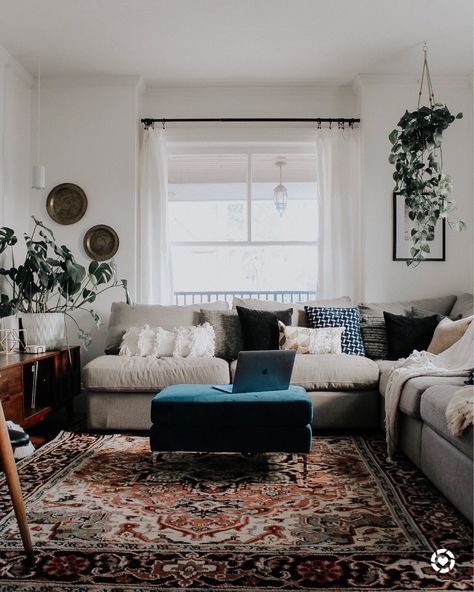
{"points": [[419, 177]]}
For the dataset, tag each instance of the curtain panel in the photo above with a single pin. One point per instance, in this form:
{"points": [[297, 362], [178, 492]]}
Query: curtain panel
{"points": [[154, 261], [338, 178]]}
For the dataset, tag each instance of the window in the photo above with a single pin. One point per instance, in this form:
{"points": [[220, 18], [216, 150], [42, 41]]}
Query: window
{"points": [[226, 232]]}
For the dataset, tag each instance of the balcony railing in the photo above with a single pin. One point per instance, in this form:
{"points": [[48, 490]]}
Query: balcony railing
{"points": [[276, 296]]}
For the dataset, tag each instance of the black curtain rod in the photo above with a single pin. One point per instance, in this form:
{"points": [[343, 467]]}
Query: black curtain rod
{"points": [[147, 121]]}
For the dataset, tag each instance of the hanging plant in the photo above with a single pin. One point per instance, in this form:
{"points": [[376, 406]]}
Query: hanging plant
{"points": [[417, 156]]}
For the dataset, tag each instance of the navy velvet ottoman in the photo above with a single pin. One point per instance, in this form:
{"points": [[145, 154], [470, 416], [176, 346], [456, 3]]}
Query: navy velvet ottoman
{"points": [[199, 418]]}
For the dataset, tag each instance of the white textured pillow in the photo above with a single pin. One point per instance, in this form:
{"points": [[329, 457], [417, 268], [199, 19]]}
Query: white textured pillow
{"points": [[303, 340], [129, 345], [195, 342], [164, 342], [327, 340], [146, 341]]}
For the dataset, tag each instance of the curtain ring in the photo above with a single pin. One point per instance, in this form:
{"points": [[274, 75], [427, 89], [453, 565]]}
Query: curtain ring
{"points": [[163, 123]]}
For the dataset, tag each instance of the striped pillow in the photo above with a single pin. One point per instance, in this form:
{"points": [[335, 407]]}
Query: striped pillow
{"points": [[374, 335]]}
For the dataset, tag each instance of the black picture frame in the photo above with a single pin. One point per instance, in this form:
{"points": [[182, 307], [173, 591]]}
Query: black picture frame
{"points": [[400, 236]]}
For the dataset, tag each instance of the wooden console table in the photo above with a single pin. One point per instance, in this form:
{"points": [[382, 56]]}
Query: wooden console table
{"points": [[34, 385]]}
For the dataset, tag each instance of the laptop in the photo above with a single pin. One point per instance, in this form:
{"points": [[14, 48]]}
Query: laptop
{"points": [[259, 371]]}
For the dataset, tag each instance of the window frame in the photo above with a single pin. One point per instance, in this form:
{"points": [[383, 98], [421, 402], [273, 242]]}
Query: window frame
{"points": [[247, 149]]}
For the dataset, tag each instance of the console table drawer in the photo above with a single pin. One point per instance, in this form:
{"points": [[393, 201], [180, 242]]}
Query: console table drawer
{"points": [[13, 407], [10, 381]]}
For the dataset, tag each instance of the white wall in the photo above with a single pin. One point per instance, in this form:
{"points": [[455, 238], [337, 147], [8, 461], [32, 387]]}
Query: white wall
{"points": [[263, 101], [90, 131], [15, 143], [383, 101], [89, 137]]}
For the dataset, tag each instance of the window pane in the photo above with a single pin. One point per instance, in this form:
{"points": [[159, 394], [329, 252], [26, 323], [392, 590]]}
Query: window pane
{"points": [[208, 197], [299, 220], [227, 268]]}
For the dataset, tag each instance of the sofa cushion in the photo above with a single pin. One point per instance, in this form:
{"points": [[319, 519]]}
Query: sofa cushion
{"points": [[123, 316], [332, 372], [299, 315], [349, 318], [447, 333], [260, 327], [414, 388], [119, 374], [441, 305], [228, 332], [433, 412], [463, 306], [374, 336], [407, 334], [385, 365]]}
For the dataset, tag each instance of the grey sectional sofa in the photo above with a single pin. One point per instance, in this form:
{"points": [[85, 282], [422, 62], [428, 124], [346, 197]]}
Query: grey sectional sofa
{"points": [[424, 437], [347, 391]]}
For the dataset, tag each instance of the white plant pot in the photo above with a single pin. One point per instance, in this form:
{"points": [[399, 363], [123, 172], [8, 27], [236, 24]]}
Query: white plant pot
{"points": [[44, 328]]}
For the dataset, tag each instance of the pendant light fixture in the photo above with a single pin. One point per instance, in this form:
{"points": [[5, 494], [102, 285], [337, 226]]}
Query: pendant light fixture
{"points": [[39, 174], [280, 193]]}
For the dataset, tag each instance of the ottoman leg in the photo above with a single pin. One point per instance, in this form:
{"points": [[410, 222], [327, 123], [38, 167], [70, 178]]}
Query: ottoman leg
{"points": [[305, 466]]}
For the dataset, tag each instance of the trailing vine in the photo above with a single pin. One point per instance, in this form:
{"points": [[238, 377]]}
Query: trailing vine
{"points": [[417, 156], [418, 159]]}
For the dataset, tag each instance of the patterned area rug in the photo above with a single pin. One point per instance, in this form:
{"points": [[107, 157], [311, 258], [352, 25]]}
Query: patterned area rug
{"points": [[103, 518]]}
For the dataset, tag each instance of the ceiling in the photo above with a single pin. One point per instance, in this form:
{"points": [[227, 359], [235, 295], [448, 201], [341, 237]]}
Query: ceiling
{"points": [[187, 42]]}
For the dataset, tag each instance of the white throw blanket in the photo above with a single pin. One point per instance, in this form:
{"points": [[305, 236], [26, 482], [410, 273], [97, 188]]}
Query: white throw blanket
{"points": [[460, 410], [455, 361]]}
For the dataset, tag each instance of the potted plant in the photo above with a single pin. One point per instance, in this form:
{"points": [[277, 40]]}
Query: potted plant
{"points": [[49, 285]]}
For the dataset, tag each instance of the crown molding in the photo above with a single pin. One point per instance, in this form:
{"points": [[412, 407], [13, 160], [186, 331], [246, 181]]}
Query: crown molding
{"points": [[90, 81], [258, 90], [9, 61], [362, 80], [329, 83]]}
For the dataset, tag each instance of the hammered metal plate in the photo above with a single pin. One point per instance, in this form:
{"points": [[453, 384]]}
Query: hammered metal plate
{"points": [[66, 203], [101, 242]]}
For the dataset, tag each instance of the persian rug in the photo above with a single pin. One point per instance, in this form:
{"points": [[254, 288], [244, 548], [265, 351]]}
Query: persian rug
{"points": [[104, 518]]}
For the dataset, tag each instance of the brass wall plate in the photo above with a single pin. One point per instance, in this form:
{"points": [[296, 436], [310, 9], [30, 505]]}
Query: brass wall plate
{"points": [[66, 203], [101, 242]]}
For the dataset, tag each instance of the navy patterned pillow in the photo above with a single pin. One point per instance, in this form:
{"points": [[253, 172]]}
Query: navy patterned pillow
{"points": [[349, 318]]}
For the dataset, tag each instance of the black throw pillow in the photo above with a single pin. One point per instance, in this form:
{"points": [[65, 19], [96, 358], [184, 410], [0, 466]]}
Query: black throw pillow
{"points": [[405, 334], [260, 327]]}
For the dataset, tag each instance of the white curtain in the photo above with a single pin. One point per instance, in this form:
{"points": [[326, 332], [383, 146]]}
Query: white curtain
{"points": [[338, 177], [154, 265]]}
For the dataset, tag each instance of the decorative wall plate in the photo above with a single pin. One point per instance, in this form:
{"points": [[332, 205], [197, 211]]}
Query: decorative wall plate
{"points": [[66, 203], [101, 242]]}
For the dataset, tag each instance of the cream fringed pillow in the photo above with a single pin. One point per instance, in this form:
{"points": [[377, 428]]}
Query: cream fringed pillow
{"points": [[447, 333], [129, 345], [195, 342], [303, 340]]}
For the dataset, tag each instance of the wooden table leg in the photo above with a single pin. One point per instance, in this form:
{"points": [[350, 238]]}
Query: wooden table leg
{"points": [[8, 463]]}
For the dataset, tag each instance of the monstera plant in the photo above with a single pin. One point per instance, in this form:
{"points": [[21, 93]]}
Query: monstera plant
{"points": [[417, 156], [49, 284]]}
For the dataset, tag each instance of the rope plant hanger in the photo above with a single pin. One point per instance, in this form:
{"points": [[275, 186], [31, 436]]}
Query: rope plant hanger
{"points": [[417, 156]]}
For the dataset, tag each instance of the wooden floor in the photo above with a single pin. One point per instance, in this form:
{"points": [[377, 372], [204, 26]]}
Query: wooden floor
{"points": [[48, 429]]}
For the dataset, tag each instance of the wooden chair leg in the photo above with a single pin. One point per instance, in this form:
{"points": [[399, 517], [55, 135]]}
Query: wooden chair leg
{"points": [[8, 463]]}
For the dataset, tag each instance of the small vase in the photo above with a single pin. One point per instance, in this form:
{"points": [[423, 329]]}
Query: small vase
{"points": [[44, 328]]}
